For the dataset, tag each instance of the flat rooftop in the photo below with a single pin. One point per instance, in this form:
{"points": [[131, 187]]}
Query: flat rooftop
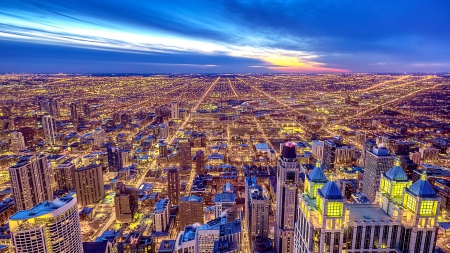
{"points": [[359, 211]]}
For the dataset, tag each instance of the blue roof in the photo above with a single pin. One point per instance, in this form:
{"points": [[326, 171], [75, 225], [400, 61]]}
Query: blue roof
{"points": [[422, 188], [317, 175], [331, 190], [396, 173]]}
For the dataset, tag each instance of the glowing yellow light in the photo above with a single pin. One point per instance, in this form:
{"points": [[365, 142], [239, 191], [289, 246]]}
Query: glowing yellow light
{"points": [[335, 208]]}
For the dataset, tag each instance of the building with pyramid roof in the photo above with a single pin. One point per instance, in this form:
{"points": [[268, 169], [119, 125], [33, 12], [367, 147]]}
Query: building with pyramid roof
{"points": [[403, 217]]}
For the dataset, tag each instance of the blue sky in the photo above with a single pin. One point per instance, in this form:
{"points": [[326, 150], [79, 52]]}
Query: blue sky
{"points": [[218, 36]]}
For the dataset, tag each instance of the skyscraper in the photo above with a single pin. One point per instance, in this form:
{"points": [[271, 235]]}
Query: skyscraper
{"points": [[114, 159], [65, 176], [225, 203], [173, 185], [161, 215], [185, 157], [328, 155], [174, 110], [320, 215], [287, 185], [125, 202], [344, 156], [54, 107], [257, 206], [74, 113], [200, 162], [367, 146], [360, 137], [402, 220], [49, 126], [48, 227], [30, 181], [378, 161], [162, 149], [190, 211], [429, 154], [17, 142], [87, 111], [89, 184]]}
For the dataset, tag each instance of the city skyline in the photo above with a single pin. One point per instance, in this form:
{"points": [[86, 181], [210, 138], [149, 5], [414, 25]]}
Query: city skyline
{"points": [[224, 37]]}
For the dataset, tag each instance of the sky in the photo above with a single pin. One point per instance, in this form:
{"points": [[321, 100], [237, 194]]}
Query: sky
{"points": [[224, 36]]}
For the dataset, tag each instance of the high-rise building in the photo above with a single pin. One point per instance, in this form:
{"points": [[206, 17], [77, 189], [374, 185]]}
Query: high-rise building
{"points": [[378, 161], [344, 155], [328, 155], [360, 137], [218, 230], [415, 157], [31, 181], [367, 146], [200, 162], [173, 185], [49, 126], [185, 157], [74, 113], [320, 215], [163, 131], [135, 242], [28, 135], [17, 142], [408, 166], [402, 147], [190, 211], [257, 205], [125, 202], [317, 149], [54, 107], [161, 215], [89, 184], [216, 236], [429, 154], [65, 176], [162, 149], [403, 219], [87, 111], [286, 206], [225, 203], [115, 162], [48, 227], [174, 110]]}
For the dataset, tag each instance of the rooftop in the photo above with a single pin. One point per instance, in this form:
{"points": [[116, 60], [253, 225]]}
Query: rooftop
{"points": [[360, 211], [192, 198], [42, 208]]}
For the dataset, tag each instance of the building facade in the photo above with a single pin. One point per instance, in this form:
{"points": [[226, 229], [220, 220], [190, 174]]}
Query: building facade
{"points": [[89, 184], [403, 219], [31, 181], [48, 227], [286, 206], [378, 161], [173, 185], [49, 126], [184, 145], [191, 211], [65, 176], [257, 205]]}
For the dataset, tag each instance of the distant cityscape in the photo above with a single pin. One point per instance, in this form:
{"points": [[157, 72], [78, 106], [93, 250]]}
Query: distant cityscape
{"points": [[225, 163]]}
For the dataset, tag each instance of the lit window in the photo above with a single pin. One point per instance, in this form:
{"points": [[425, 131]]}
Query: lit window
{"points": [[386, 186], [410, 202], [428, 207], [335, 208], [319, 204]]}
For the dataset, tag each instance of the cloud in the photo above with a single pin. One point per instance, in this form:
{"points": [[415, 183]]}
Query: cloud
{"points": [[303, 35]]}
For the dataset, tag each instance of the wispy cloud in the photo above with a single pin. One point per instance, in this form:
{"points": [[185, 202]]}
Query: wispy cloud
{"points": [[316, 36]]}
